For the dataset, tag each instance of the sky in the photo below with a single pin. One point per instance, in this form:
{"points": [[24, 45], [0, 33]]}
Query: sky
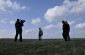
{"points": [[47, 14]]}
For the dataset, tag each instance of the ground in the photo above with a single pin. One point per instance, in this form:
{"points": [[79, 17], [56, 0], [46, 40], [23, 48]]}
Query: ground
{"points": [[44, 47]]}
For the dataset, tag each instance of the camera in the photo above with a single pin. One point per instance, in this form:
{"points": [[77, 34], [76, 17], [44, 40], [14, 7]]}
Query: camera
{"points": [[22, 21]]}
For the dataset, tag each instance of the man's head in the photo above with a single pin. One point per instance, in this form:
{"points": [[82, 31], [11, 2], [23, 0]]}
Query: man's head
{"points": [[66, 22], [63, 21], [17, 20], [39, 28]]}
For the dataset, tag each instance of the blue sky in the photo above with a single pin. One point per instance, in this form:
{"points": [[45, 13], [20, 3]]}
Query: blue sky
{"points": [[46, 14]]}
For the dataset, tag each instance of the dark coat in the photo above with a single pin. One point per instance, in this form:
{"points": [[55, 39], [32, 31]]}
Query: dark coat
{"points": [[18, 26], [66, 27], [40, 32]]}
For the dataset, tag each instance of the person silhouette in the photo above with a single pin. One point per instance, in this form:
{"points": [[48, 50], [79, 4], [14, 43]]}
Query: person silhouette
{"points": [[40, 34], [18, 27], [66, 30]]}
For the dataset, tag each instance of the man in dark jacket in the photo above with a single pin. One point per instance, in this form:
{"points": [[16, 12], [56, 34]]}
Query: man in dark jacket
{"points": [[18, 27], [40, 34], [66, 30]]}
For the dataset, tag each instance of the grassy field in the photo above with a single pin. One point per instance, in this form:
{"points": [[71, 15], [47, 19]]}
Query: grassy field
{"points": [[44, 47]]}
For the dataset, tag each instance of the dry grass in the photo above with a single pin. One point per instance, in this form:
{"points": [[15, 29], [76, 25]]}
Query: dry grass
{"points": [[44, 47]]}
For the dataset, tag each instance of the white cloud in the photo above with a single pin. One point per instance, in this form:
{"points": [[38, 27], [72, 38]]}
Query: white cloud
{"points": [[36, 21], [31, 33], [71, 22], [3, 21], [7, 33], [12, 22], [59, 25], [81, 25], [30, 30], [55, 13], [26, 31], [6, 5], [50, 27], [79, 7], [68, 7], [3, 30]]}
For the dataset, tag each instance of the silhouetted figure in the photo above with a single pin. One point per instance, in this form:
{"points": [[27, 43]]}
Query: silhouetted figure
{"points": [[40, 34], [66, 30], [18, 27]]}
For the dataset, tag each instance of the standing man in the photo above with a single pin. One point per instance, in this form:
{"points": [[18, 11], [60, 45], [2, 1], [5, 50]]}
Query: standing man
{"points": [[18, 27], [66, 30], [40, 34]]}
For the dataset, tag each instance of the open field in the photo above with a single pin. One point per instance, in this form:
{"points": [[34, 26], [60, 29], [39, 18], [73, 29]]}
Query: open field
{"points": [[44, 47]]}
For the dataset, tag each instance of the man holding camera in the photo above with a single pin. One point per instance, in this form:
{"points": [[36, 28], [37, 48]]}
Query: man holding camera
{"points": [[18, 27]]}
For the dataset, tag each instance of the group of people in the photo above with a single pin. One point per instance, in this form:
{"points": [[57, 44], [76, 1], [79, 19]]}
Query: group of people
{"points": [[20, 23], [66, 30]]}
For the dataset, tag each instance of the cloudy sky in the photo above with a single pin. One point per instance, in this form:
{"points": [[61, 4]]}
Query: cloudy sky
{"points": [[46, 14]]}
